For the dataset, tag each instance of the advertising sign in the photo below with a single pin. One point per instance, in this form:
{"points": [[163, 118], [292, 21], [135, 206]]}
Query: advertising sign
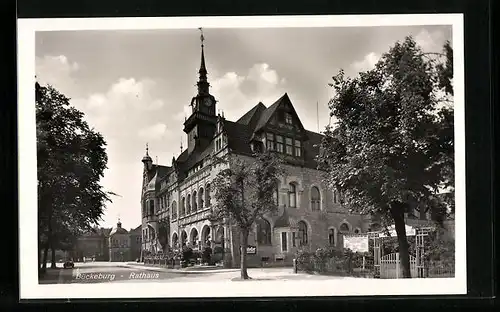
{"points": [[356, 243], [251, 250]]}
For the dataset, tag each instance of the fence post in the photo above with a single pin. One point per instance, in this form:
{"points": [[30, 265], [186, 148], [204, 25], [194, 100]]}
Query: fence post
{"points": [[295, 266], [363, 263]]}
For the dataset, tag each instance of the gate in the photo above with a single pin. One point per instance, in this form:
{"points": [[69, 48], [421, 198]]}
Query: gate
{"points": [[390, 266]]}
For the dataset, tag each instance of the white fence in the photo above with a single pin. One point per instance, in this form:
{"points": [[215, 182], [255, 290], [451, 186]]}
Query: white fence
{"points": [[390, 266]]}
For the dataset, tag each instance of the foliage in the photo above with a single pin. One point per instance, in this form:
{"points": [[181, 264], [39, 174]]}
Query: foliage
{"points": [[244, 192], [393, 142], [71, 159], [332, 261]]}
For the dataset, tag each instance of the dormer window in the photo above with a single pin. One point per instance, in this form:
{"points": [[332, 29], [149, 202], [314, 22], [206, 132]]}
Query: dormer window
{"points": [[288, 118]]}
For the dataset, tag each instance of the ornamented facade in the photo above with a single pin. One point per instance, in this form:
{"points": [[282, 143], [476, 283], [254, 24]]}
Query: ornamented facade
{"points": [[176, 199]]}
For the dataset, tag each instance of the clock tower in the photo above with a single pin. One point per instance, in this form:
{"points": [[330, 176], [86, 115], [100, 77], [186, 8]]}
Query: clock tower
{"points": [[200, 126]]}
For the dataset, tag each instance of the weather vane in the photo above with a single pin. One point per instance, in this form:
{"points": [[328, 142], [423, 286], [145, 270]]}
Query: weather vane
{"points": [[202, 38]]}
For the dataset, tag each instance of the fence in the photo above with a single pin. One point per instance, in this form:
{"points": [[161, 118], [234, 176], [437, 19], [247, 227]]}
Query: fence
{"points": [[440, 269], [390, 266]]}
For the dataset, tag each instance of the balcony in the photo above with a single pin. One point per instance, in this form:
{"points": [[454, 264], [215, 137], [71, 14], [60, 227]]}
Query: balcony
{"points": [[195, 216]]}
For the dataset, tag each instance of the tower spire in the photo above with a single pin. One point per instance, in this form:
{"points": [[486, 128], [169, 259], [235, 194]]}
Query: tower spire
{"points": [[202, 81]]}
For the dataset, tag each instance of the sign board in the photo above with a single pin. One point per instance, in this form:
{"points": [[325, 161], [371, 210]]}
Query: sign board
{"points": [[410, 231], [251, 250], [356, 243]]}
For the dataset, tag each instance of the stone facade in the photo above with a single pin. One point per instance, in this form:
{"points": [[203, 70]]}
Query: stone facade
{"points": [[176, 200]]}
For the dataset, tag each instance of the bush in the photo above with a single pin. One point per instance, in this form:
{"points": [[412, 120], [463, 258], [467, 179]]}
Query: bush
{"points": [[331, 261], [206, 255], [187, 254]]}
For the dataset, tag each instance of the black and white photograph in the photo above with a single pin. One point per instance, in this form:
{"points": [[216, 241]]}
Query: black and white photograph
{"points": [[242, 156]]}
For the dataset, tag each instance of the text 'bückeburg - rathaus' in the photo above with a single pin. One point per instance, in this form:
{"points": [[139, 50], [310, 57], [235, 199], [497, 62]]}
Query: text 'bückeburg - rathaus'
{"points": [[176, 199]]}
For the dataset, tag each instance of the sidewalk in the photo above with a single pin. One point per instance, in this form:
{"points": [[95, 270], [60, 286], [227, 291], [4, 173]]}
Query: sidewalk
{"points": [[188, 270]]}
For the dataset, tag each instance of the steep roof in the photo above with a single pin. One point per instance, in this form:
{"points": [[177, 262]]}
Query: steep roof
{"points": [[241, 133]]}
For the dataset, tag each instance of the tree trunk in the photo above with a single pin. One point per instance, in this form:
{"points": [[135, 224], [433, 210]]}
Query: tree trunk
{"points": [[53, 258], [243, 256], [397, 213], [44, 258]]}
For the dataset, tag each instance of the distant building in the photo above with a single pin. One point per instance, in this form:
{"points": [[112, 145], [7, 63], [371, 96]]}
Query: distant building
{"points": [[119, 244], [109, 244], [93, 244]]}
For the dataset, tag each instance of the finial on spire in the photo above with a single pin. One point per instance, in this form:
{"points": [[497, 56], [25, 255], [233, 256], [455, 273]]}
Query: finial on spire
{"points": [[147, 149], [181, 144], [202, 38]]}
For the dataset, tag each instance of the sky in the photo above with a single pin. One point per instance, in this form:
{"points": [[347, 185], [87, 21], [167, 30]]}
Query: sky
{"points": [[135, 86]]}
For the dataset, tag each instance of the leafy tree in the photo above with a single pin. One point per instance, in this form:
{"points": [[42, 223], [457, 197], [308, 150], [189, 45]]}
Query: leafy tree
{"points": [[392, 146], [245, 192], [71, 159]]}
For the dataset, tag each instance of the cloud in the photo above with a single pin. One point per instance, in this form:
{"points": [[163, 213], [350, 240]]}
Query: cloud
{"points": [[431, 41], [57, 71], [367, 63], [237, 93], [153, 132]]}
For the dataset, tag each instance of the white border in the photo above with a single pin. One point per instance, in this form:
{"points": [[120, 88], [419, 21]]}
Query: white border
{"points": [[29, 287]]}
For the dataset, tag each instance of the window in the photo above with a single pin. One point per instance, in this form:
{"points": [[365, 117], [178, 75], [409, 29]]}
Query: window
{"points": [[335, 196], [263, 232], [357, 231], [344, 228], [332, 237], [292, 195], [188, 204], [294, 238], [183, 206], [151, 207], [288, 118], [200, 198], [276, 196], [207, 195], [315, 199], [195, 204], [174, 210], [302, 233], [289, 146], [279, 143], [284, 246], [270, 142], [298, 150]]}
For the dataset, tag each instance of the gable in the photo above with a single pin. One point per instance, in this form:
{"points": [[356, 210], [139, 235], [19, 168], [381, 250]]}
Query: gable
{"points": [[281, 115]]}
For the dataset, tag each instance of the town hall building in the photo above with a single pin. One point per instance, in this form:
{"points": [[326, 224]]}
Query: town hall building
{"points": [[177, 199]]}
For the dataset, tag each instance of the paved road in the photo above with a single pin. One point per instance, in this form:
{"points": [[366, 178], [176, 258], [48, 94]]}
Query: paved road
{"points": [[113, 272], [105, 272]]}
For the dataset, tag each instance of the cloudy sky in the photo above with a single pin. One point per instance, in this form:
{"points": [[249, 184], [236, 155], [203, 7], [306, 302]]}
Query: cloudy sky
{"points": [[135, 86]]}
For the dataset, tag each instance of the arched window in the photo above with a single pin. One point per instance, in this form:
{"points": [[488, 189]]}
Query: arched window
{"points": [[174, 210], [263, 232], [188, 204], [200, 198], [151, 207], [195, 203], [332, 237], [183, 206], [302, 233], [207, 195], [344, 228], [315, 199], [292, 195]]}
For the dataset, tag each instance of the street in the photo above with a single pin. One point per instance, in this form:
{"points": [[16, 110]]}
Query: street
{"points": [[121, 272]]}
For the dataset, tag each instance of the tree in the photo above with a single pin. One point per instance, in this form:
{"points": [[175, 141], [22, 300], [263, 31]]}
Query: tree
{"points": [[392, 146], [245, 192], [71, 159]]}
